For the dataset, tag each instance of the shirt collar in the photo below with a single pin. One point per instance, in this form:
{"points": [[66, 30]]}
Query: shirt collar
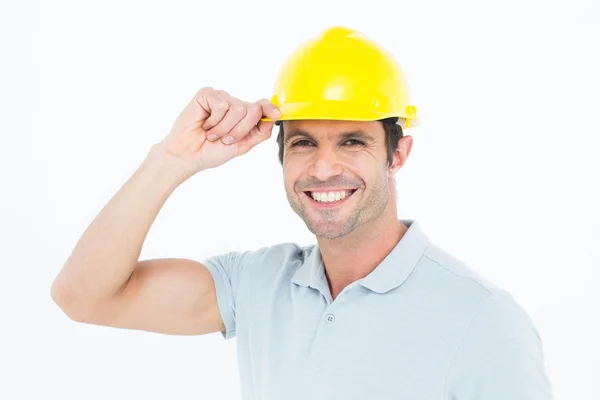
{"points": [[389, 274]]}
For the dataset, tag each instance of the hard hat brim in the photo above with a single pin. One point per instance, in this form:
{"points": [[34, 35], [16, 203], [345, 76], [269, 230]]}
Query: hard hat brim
{"points": [[340, 110]]}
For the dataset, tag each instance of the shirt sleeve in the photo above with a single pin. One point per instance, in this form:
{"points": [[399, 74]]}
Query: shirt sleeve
{"points": [[226, 270], [500, 356]]}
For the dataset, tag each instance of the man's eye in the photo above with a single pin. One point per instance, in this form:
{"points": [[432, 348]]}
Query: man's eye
{"points": [[357, 142], [298, 143], [304, 143]]}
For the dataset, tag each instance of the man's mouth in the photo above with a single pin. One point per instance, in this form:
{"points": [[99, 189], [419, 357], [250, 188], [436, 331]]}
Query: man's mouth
{"points": [[330, 197]]}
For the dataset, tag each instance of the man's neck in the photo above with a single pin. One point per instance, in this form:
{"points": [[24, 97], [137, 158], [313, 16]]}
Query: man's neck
{"points": [[354, 256]]}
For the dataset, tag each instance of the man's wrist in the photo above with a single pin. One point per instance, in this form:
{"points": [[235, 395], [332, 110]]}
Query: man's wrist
{"points": [[165, 167]]}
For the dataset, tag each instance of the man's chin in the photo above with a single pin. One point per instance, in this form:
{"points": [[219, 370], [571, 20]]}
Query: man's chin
{"points": [[327, 229]]}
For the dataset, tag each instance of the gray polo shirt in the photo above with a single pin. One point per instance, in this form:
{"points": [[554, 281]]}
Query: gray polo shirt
{"points": [[422, 325]]}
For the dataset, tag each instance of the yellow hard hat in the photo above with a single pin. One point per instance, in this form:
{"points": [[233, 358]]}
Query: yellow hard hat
{"points": [[343, 75]]}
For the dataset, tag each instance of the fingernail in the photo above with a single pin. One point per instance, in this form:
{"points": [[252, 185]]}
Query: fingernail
{"points": [[227, 140], [212, 137]]}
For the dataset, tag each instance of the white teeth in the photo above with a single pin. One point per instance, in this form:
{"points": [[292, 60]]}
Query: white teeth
{"points": [[328, 197]]}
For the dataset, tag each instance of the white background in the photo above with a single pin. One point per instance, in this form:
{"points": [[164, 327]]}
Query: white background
{"points": [[503, 172]]}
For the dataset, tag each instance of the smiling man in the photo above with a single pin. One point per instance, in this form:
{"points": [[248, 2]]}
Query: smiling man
{"points": [[339, 180], [372, 310]]}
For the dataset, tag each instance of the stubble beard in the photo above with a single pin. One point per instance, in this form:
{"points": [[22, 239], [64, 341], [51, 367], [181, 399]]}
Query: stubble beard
{"points": [[330, 225]]}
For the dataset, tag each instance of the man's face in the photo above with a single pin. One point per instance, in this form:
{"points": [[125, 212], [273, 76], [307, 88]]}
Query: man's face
{"points": [[343, 164]]}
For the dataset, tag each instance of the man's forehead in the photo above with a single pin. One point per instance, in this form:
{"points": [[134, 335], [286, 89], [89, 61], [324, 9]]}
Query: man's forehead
{"points": [[330, 128]]}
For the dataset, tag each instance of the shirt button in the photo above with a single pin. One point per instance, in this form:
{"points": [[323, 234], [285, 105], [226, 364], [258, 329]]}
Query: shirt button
{"points": [[330, 318]]}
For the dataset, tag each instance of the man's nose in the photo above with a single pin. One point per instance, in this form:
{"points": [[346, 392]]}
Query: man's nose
{"points": [[325, 164]]}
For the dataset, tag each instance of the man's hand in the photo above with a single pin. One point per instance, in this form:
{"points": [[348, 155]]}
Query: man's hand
{"points": [[216, 127]]}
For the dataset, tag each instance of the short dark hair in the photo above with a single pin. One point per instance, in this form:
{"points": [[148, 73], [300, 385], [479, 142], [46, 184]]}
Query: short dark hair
{"points": [[393, 133]]}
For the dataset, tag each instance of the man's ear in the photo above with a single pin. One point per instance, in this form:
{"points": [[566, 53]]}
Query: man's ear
{"points": [[401, 154]]}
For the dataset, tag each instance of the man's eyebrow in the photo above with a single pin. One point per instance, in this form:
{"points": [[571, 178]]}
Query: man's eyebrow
{"points": [[358, 135], [297, 132], [344, 135]]}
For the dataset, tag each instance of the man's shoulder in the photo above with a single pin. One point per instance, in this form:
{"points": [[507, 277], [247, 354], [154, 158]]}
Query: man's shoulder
{"points": [[454, 271], [458, 288], [463, 293], [270, 257]]}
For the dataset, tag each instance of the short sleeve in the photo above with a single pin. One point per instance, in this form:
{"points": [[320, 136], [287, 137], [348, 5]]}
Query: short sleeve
{"points": [[500, 356], [226, 270]]}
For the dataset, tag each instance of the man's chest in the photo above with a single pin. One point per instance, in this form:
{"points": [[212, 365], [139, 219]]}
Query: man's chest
{"points": [[360, 344]]}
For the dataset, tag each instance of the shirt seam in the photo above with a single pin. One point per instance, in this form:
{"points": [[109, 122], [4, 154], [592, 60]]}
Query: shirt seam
{"points": [[457, 275], [452, 359]]}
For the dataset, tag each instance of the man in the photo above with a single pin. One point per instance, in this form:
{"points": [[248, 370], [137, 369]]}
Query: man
{"points": [[374, 310]]}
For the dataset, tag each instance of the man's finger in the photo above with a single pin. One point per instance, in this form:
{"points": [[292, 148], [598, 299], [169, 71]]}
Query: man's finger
{"points": [[253, 114], [269, 109], [264, 127], [218, 108], [255, 137]]}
